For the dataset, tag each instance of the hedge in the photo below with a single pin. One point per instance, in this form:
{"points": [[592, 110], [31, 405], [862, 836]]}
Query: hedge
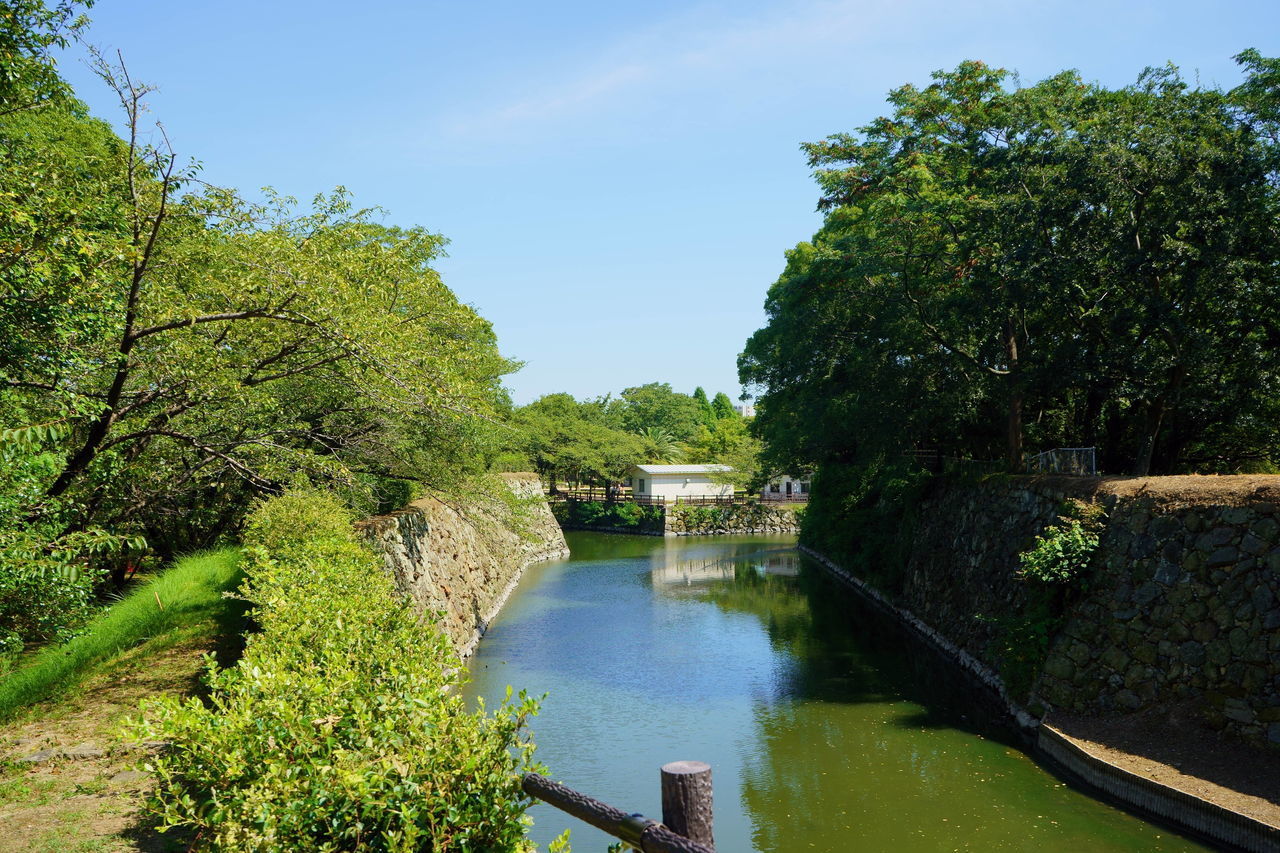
{"points": [[341, 728]]}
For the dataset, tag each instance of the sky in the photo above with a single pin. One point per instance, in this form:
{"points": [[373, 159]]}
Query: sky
{"points": [[618, 182]]}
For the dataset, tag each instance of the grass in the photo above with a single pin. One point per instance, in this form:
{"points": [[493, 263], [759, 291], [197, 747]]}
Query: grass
{"points": [[182, 604]]}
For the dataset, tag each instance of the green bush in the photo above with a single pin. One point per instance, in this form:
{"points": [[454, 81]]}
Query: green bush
{"points": [[626, 514], [50, 583], [1056, 571], [696, 517], [341, 728], [1061, 554]]}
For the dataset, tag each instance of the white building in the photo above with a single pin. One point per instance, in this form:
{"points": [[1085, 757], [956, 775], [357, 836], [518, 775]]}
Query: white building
{"points": [[668, 483], [786, 488]]}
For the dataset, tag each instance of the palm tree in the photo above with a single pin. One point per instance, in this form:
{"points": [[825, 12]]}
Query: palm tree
{"points": [[660, 446]]}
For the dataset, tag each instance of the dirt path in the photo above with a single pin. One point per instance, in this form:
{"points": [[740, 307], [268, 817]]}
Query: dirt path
{"points": [[71, 780], [1171, 746]]}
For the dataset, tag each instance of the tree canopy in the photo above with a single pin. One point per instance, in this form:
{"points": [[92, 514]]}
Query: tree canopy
{"points": [[597, 441], [1055, 265], [169, 349]]}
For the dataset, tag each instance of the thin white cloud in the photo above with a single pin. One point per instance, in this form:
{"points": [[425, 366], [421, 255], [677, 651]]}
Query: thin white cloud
{"points": [[689, 50], [576, 94]]}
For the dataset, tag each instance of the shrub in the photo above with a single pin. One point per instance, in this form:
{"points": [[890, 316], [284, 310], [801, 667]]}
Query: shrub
{"points": [[341, 728], [49, 584], [1061, 554], [1056, 571], [626, 514]]}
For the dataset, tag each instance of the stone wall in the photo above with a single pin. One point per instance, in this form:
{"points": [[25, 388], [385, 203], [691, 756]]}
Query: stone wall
{"points": [[682, 520], [462, 558], [676, 519], [1182, 607]]}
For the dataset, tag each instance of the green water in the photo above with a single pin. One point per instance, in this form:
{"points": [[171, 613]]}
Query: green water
{"points": [[826, 730]]}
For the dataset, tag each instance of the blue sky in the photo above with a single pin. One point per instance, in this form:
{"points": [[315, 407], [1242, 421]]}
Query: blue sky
{"points": [[619, 183]]}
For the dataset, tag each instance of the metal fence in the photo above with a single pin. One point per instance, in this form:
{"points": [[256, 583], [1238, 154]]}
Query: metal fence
{"points": [[1080, 461]]}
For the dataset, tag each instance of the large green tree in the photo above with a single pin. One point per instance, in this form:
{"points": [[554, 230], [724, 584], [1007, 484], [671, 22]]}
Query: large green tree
{"points": [[573, 442], [1057, 264], [169, 349]]}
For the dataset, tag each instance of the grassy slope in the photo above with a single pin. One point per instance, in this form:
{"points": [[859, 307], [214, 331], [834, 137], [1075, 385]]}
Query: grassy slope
{"points": [[81, 693], [182, 603]]}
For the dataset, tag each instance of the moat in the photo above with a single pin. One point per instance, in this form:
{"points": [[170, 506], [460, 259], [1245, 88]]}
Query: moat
{"points": [[826, 728]]}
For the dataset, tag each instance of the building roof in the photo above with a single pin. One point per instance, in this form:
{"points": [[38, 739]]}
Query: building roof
{"points": [[683, 469]]}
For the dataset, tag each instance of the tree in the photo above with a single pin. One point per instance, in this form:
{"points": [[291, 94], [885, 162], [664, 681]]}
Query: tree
{"points": [[704, 406], [567, 440], [658, 445], [169, 350], [656, 405], [1094, 258], [29, 32], [722, 407]]}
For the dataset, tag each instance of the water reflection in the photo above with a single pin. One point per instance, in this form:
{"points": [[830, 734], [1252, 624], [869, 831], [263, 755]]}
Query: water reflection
{"points": [[773, 561], [827, 729]]}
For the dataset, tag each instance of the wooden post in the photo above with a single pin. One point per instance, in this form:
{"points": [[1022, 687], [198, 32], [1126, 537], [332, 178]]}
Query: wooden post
{"points": [[686, 800]]}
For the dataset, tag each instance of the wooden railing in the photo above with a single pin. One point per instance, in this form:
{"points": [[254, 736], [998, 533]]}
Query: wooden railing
{"points": [[686, 810]]}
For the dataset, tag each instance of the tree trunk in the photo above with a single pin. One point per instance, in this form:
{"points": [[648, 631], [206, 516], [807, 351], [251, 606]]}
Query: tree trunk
{"points": [[1016, 394], [1142, 467]]}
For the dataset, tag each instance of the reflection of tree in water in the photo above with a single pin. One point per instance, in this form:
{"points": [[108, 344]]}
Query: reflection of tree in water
{"points": [[808, 621], [859, 750], [844, 650]]}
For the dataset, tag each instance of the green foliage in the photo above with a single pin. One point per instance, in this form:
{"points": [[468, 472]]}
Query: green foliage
{"points": [[864, 517], [187, 594], [660, 447], [598, 441], [574, 442], [1061, 554], [341, 728], [698, 517], [722, 407], [1100, 258], [657, 406], [1056, 571], [169, 349], [728, 441], [626, 515], [29, 33]]}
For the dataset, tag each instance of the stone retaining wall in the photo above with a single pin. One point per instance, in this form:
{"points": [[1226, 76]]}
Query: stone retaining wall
{"points": [[1184, 605], [461, 561], [678, 519], [682, 520]]}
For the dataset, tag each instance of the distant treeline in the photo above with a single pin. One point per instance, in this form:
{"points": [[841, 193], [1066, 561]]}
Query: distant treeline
{"points": [[598, 441]]}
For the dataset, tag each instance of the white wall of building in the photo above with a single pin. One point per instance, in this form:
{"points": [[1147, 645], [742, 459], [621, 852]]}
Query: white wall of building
{"points": [[777, 487], [672, 486]]}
